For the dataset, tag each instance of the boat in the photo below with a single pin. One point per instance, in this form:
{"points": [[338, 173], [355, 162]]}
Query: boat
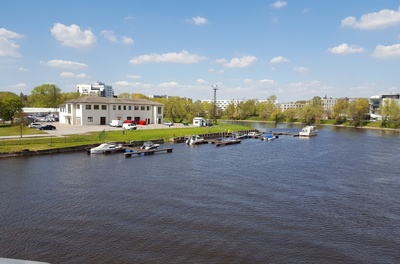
{"points": [[149, 145], [268, 137], [239, 135], [308, 131], [228, 141], [106, 148], [253, 134], [194, 140]]}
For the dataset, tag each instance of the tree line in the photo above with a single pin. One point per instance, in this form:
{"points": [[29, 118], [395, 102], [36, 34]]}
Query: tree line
{"points": [[179, 109]]}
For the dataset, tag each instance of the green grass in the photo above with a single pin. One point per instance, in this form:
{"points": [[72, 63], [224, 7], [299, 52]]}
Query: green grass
{"points": [[8, 130], [52, 142]]}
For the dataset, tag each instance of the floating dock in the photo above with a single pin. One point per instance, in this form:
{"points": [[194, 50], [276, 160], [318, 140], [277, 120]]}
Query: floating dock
{"points": [[227, 142], [137, 151]]}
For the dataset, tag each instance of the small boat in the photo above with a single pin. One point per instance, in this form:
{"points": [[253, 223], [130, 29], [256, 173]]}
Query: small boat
{"points": [[253, 134], [239, 135], [194, 140], [149, 145], [106, 148], [308, 131], [268, 137]]}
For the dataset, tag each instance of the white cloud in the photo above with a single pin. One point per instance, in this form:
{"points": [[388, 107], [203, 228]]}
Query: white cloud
{"points": [[377, 20], [109, 35], [201, 81], [182, 57], [8, 47], [199, 20], [387, 52], [267, 82], [279, 59], [242, 62], [22, 69], [344, 49], [66, 64], [279, 4], [20, 85], [72, 36], [168, 85], [73, 75], [302, 70], [127, 40], [128, 84]]}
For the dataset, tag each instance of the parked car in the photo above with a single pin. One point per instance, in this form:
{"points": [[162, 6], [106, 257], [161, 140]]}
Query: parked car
{"points": [[169, 124], [47, 127], [129, 126], [35, 125]]}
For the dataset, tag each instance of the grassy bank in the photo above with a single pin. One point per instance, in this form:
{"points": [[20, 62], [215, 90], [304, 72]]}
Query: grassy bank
{"points": [[15, 145]]}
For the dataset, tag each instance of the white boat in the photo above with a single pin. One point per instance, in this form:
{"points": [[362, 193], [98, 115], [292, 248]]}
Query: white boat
{"points": [[253, 134], [194, 140], [106, 148], [149, 145], [308, 131]]}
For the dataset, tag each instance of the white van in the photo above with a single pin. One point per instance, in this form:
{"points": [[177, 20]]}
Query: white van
{"points": [[116, 123]]}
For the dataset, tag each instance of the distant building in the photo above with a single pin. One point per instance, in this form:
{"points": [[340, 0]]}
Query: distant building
{"points": [[223, 104], [98, 89], [292, 105], [88, 110], [376, 102]]}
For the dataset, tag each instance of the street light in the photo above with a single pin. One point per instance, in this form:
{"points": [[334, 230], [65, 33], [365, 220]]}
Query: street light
{"points": [[215, 88]]}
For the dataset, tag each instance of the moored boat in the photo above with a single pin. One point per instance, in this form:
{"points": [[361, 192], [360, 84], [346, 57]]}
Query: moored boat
{"points": [[308, 131], [149, 145], [108, 147], [194, 140]]}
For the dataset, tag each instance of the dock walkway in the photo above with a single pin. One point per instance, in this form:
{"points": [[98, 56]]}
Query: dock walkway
{"points": [[138, 151]]}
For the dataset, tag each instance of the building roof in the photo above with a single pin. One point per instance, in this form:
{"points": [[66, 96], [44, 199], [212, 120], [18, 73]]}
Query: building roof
{"points": [[113, 100]]}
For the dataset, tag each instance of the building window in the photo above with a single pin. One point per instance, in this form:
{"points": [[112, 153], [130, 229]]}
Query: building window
{"points": [[148, 108], [103, 107], [136, 107], [142, 107], [78, 106], [88, 107], [90, 119], [114, 107], [129, 107], [69, 109], [119, 107], [124, 107], [159, 110], [96, 107]]}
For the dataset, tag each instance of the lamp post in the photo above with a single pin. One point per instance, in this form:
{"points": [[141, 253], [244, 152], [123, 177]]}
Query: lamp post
{"points": [[215, 88]]}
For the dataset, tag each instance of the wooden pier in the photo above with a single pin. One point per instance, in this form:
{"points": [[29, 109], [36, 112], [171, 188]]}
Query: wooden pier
{"points": [[137, 151], [227, 142]]}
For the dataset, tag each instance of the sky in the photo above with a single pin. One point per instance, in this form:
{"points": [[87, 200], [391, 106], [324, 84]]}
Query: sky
{"points": [[246, 49]]}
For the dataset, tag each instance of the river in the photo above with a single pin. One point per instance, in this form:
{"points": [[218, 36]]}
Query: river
{"points": [[334, 198]]}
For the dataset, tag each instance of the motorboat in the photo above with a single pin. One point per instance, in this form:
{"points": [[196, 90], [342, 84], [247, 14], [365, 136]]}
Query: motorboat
{"points": [[149, 145], [194, 140], [239, 135], [106, 148], [268, 137], [308, 131], [253, 134]]}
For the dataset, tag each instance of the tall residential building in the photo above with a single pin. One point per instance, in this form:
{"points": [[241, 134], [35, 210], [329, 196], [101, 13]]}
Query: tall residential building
{"points": [[98, 89], [376, 102]]}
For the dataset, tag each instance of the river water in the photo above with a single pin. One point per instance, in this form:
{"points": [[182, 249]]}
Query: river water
{"points": [[334, 198]]}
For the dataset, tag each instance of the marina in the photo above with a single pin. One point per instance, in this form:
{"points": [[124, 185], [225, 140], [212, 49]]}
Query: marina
{"points": [[239, 204]]}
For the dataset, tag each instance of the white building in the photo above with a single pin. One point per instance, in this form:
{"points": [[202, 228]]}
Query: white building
{"points": [[293, 105], [97, 89], [223, 104], [376, 102], [90, 110]]}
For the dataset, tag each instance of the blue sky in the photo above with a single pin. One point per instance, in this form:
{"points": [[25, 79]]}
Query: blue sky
{"points": [[251, 49]]}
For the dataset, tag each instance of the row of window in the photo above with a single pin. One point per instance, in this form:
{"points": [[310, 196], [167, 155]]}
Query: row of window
{"points": [[123, 107]]}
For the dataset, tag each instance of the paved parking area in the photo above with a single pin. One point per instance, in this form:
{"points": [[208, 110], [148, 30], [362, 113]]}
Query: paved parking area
{"points": [[63, 129]]}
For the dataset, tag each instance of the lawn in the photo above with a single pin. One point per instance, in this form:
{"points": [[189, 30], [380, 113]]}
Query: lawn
{"points": [[52, 142]]}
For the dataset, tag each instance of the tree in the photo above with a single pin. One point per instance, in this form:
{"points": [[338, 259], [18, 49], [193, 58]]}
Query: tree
{"points": [[339, 111], [69, 96], [10, 103], [312, 111], [357, 111], [46, 95], [290, 114], [125, 95], [390, 112]]}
